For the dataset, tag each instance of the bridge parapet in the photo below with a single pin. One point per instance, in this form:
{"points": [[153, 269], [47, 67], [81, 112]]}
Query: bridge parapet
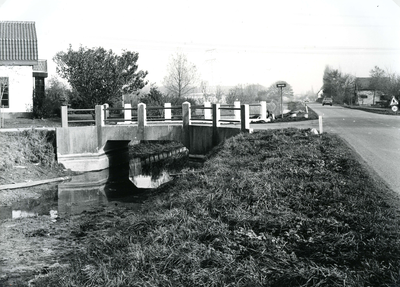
{"points": [[82, 148]]}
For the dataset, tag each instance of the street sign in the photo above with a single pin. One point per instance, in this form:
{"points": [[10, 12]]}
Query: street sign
{"points": [[282, 85]]}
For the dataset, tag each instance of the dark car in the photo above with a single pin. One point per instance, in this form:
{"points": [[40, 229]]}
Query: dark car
{"points": [[327, 101]]}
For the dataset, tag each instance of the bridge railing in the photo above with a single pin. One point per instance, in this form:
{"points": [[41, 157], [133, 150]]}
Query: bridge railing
{"points": [[77, 117], [119, 115], [258, 110], [213, 114]]}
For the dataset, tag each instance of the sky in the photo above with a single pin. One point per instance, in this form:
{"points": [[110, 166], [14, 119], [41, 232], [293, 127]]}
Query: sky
{"points": [[230, 42]]}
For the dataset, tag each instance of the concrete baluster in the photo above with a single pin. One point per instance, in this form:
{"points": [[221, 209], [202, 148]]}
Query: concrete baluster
{"points": [[64, 116], [99, 119], [186, 116], [207, 112], [167, 111], [216, 114], [142, 120], [263, 110], [216, 117], [236, 105], [99, 115], [244, 118], [128, 112], [106, 106]]}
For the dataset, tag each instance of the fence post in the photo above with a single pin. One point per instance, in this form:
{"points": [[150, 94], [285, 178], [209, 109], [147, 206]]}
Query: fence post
{"points": [[207, 112], [236, 105], [142, 120], [244, 118], [167, 111], [263, 110], [64, 116], [127, 113], [186, 115]]}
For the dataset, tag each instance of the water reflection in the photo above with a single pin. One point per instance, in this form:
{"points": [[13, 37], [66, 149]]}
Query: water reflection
{"points": [[46, 204], [23, 214], [7, 212], [146, 181], [127, 181], [96, 189], [155, 170], [82, 193]]}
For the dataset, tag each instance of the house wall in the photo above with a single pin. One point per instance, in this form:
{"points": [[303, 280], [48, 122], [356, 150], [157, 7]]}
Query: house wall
{"points": [[370, 97], [20, 89]]}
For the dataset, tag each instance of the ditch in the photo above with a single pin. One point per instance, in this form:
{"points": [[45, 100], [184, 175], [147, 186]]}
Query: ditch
{"points": [[36, 229]]}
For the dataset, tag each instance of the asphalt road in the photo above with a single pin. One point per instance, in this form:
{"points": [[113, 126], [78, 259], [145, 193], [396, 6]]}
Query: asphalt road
{"points": [[375, 137]]}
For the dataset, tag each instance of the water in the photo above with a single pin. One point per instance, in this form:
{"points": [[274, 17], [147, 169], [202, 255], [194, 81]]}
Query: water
{"points": [[126, 183], [32, 207]]}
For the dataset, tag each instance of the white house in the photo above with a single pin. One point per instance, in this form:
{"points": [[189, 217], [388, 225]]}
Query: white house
{"points": [[21, 73], [366, 93]]}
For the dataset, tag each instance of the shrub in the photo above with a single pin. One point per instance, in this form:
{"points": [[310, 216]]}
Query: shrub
{"points": [[48, 105]]}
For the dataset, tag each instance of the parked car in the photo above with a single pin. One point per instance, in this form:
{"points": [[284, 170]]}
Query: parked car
{"points": [[327, 101]]}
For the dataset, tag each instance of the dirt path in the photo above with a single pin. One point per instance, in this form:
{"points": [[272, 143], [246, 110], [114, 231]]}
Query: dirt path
{"points": [[29, 246]]}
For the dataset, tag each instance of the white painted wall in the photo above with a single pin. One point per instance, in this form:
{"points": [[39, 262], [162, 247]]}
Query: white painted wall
{"points": [[21, 81]]}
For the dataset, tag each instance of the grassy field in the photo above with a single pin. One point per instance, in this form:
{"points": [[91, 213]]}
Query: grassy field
{"points": [[273, 208]]}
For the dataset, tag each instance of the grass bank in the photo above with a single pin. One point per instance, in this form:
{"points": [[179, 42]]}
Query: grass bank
{"points": [[28, 155], [273, 208], [28, 146]]}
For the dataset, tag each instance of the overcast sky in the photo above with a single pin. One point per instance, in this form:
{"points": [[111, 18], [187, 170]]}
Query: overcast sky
{"points": [[230, 42]]}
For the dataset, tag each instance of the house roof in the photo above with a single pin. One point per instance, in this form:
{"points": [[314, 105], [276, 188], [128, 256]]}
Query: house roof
{"points": [[367, 84], [364, 84], [18, 43]]}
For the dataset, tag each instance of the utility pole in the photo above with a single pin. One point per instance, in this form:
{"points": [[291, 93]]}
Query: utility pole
{"points": [[281, 86], [211, 60]]}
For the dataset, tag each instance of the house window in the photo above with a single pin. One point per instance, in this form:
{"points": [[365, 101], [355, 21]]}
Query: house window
{"points": [[4, 92]]}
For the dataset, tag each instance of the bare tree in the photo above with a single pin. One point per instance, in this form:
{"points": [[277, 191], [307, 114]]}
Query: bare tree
{"points": [[204, 87], [182, 76], [219, 93], [385, 81]]}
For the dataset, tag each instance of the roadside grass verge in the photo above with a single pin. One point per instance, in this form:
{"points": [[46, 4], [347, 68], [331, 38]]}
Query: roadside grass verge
{"points": [[382, 111], [272, 208]]}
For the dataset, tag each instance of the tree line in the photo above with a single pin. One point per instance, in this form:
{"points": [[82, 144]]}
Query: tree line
{"points": [[342, 87], [97, 76]]}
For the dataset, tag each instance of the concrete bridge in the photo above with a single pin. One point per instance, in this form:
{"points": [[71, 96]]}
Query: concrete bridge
{"points": [[86, 148]]}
